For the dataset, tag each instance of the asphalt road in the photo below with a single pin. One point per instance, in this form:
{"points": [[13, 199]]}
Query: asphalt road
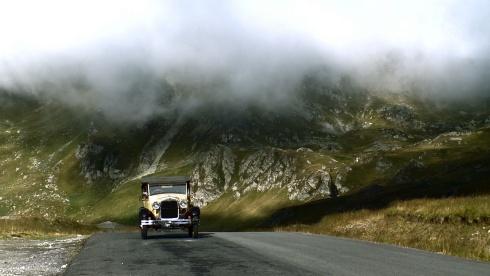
{"points": [[258, 254]]}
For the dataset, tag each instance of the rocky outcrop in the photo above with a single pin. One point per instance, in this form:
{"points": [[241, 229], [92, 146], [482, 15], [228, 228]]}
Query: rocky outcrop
{"points": [[212, 175], [264, 170], [232, 151], [401, 115], [95, 163], [314, 184], [219, 170]]}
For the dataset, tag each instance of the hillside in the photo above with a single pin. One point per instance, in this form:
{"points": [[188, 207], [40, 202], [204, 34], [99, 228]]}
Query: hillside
{"points": [[336, 149]]}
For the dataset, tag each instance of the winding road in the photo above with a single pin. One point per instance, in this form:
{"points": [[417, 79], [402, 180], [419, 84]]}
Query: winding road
{"points": [[258, 253]]}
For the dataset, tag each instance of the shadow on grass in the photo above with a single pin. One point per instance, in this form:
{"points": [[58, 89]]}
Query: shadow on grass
{"points": [[452, 178], [460, 174]]}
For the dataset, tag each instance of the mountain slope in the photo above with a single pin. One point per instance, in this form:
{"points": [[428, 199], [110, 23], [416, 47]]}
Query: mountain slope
{"points": [[329, 141]]}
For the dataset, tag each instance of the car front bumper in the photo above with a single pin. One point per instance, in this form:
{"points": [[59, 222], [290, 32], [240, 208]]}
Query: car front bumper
{"points": [[168, 223]]}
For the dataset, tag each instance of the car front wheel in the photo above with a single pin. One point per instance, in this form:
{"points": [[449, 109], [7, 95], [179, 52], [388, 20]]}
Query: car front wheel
{"points": [[195, 231], [144, 232]]}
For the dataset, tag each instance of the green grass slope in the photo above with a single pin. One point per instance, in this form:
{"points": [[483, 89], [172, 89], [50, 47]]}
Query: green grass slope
{"points": [[339, 162]]}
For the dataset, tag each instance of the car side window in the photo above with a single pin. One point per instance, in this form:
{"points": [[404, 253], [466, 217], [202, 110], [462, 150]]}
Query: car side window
{"points": [[144, 192]]}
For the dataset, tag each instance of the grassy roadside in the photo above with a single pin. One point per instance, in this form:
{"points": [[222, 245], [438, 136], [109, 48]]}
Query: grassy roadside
{"points": [[453, 226], [451, 164], [230, 214], [38, 228], [458, 226]]}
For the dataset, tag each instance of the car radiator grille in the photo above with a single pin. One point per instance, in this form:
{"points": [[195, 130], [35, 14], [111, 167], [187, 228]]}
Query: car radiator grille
{"points": [[169, 209]]}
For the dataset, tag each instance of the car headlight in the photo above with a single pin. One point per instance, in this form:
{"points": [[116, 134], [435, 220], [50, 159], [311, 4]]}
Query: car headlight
{"points": [[155, 205], [183, 204]]}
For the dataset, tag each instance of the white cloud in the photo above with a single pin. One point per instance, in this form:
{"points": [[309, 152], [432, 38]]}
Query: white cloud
{"points": [[248, 49]]}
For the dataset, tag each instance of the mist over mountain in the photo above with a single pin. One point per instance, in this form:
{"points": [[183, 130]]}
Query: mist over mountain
{"points": [[134, 60], [366, 119]]}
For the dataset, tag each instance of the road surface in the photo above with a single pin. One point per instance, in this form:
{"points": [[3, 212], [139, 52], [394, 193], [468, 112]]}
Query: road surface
{"points": [[255, 253]]}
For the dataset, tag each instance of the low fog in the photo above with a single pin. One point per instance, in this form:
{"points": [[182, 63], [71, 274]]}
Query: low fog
{"points": [[127, 59]]}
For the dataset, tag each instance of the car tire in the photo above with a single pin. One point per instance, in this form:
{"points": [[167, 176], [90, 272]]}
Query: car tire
{"points": [[143, 214], [195, 231], [144, 232]]}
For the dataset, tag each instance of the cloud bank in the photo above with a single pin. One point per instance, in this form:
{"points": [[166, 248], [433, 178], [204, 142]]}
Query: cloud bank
{"points": [[121, 56]]}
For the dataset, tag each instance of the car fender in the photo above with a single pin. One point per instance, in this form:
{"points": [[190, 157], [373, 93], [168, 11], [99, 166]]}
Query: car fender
{"points": [[145, 214], [195, 212]]}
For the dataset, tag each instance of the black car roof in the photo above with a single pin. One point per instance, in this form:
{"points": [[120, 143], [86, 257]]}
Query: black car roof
{"points": [[174, 180]]}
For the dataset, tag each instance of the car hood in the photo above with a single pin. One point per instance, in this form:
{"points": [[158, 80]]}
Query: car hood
{"points": [[162, 197]]}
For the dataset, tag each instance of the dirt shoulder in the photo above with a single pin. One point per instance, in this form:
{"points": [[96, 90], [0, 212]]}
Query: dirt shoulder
{"points": [[20, 256]]}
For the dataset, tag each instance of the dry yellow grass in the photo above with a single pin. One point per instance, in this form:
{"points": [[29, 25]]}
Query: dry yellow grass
{"points": [[41, 228], [229, 214], [453, 226]]}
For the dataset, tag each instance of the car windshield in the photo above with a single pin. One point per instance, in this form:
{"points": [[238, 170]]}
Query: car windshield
{"points": [[167, 189]]}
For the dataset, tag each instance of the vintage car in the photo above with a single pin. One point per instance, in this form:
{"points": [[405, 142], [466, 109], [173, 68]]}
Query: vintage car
{"points": [[167, 205]]}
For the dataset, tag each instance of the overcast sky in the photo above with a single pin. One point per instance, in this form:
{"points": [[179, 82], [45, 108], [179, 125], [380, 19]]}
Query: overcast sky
{"points": [[252, 49]]}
